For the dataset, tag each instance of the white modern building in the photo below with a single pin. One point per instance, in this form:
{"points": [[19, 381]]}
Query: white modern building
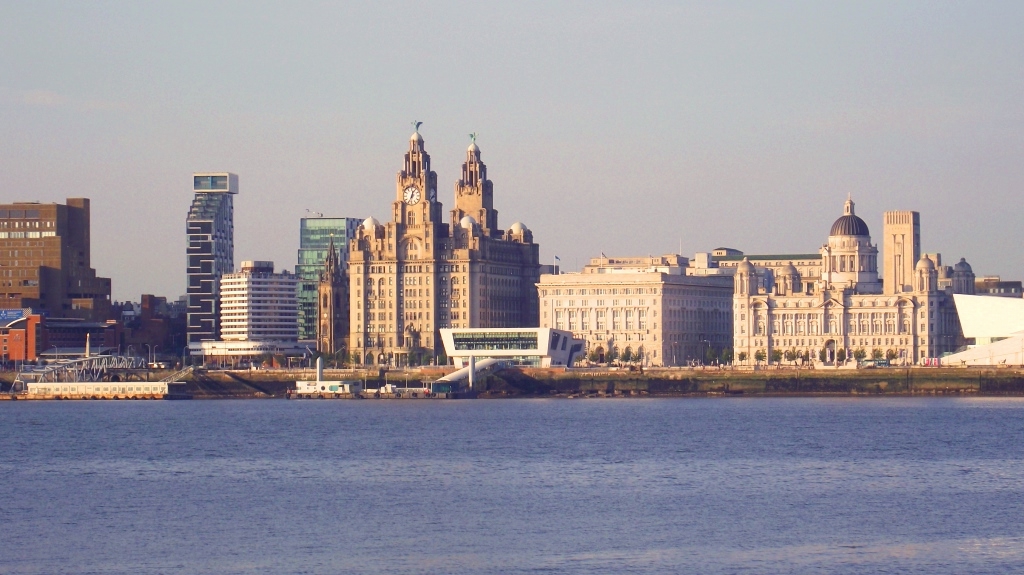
{"points": [[258, 304], [259, 313], [993, 328], [533, 347]]}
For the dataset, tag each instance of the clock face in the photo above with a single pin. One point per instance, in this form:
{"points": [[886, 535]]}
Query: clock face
{"points": [[432, 195], [412, 195]]}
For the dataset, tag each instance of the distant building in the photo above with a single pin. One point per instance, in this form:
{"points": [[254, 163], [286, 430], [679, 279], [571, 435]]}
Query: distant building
{"points": [[995, 286], [21, 335], [415, 274], [258, 304], [45, 261], [258, 313], [210, 227], [837, 301], [646, 304], [315, 234]]}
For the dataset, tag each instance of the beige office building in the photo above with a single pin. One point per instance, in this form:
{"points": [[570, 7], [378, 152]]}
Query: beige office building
{"points": [[415, 274], [646, 304]]}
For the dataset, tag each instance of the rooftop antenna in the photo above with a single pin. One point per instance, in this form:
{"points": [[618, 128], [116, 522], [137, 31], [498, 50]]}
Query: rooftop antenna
{"points": [[315, 214]]}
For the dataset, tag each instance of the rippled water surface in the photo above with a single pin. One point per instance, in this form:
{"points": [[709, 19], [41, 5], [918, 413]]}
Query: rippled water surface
{"points": [[729, 485]]}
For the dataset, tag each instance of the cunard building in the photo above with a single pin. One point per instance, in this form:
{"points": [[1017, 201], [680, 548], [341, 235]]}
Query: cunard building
{"points": [[415, 274]]}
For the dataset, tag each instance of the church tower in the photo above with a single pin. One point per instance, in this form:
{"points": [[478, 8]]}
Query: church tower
{"points": [[331, 324], [474, 194]]}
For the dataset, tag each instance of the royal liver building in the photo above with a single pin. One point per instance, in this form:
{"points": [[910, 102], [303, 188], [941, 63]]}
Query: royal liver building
{"points": [[416, 274], [839, 301]]}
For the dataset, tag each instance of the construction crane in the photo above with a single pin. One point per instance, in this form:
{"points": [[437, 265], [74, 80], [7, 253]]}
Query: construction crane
{"points": [[315, 214]]}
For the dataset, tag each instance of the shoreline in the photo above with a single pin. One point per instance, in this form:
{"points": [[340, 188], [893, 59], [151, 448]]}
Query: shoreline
{"points": [[589, 383]]}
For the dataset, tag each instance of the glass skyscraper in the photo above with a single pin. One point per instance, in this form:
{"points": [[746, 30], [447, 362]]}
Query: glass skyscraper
{"points": [[314, 236]]}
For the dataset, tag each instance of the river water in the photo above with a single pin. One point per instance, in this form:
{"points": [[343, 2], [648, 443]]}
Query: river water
{"points": [[726, 485]]}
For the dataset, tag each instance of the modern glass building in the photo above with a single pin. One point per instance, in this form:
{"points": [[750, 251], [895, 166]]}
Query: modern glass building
{"points": [[314, 236], [210, 228]]}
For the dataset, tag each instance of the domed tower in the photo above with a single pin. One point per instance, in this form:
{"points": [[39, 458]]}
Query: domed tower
{"points": [[789, 282], [850, 260], [927, 276], [745, 279], [474, 193], [963, 278]]}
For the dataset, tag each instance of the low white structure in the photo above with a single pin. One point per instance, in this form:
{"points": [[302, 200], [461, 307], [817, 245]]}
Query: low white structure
{"points": [[98, 389], [994, 329], [534, 346], [327, 388]]}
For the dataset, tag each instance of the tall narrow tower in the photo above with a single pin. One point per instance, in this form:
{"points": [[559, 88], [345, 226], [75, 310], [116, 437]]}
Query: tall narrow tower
{"points": [[331, 317], [210, 228], [474, 193], [901, 247]]}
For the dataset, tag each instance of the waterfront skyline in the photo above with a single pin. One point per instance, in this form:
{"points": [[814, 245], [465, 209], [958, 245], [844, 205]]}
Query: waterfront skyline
{"points": [[651, 125]]}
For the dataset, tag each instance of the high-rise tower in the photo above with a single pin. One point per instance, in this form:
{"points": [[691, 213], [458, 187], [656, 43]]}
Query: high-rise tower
{"points": [[210, 227], [901, 250], [314, 236]]}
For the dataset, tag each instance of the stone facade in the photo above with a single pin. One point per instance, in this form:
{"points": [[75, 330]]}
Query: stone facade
{"points": [[332, 321], [647, 304], [906, 315], [415, 274]]}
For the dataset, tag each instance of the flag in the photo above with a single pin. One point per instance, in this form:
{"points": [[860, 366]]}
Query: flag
{"points": [[558, 259]]}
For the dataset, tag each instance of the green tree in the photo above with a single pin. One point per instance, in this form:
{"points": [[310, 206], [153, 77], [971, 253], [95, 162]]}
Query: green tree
{"points": [[823, 355], [726, 356], [742, 356], [612, 356], [841, 355], [639, 355], [627, 355], [791, 355], [776, 355], [710, 355], [593, 356], [759, 356], [860, 353], [890, 354], [806, 357], [877, 353]]}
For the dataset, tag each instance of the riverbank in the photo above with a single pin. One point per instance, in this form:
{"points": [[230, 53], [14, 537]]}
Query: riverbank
{"points": [[532, 382]]}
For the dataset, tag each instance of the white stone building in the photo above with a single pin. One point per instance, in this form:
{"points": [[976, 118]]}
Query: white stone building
{"points": [[646, 304], [840, 302]]}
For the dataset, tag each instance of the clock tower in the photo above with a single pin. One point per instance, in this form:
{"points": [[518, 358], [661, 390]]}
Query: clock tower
{"points": [[416, 188]]}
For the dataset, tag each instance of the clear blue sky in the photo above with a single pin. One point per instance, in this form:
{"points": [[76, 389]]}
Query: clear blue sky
{"points": [[624, 127]]}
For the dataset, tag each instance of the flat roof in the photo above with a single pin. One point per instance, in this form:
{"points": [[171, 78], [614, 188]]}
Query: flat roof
{"points": [[767, 257]]}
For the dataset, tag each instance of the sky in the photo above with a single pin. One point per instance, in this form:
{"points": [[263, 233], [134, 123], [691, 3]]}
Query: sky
{"points": [[627, 128]]}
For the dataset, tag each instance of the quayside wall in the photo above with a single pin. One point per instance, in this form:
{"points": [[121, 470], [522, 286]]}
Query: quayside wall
{"points": [[532, 382]]}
